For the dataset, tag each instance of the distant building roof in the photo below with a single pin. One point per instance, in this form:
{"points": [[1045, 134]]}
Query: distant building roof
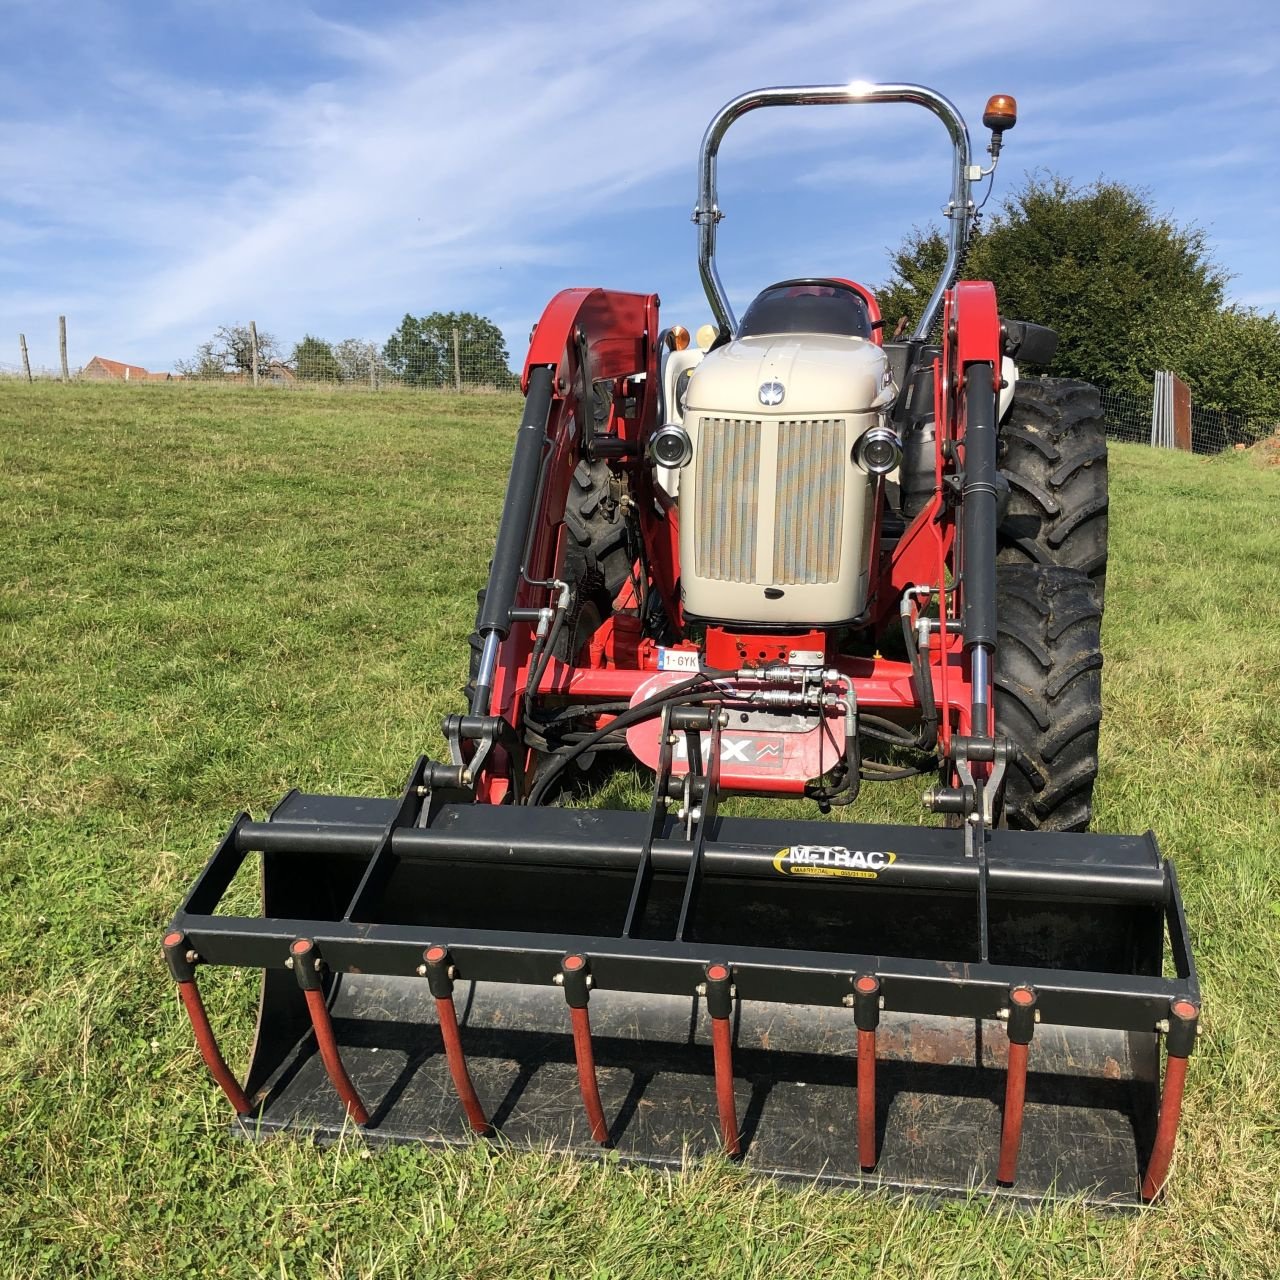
{"points": [[101, 367]]}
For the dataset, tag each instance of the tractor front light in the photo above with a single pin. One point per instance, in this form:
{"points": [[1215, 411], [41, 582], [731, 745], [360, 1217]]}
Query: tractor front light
{"points": [[670, 446], [878, 450]]}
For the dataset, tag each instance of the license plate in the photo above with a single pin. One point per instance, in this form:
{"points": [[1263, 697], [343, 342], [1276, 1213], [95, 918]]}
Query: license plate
{"points": [[678, 659]]}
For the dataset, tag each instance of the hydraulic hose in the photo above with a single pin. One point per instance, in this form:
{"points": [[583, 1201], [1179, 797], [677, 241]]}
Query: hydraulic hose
{"points": [[927, 738], [686, 692]]}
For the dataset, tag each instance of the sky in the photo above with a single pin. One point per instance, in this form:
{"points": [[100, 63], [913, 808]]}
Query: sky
{"points": [[327, 167]]}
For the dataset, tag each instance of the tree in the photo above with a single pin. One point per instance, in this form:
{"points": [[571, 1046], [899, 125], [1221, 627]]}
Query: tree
{"points": [[421, 351], [414, 353], [917, 264], [206, 363], [354, 357], [237, 347], [314, 361], [230, 350], [1233, 363], [1127, 290]]}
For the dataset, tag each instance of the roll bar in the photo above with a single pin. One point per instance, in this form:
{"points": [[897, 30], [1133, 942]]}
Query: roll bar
{"points": [[707, 213]]}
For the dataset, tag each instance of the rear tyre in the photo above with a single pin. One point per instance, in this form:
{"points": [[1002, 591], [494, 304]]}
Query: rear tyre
{"points": [[1053, 452], [1048, 694]]}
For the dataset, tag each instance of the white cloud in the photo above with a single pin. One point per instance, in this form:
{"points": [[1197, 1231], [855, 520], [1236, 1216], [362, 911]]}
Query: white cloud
{"points": [[429, 161]]}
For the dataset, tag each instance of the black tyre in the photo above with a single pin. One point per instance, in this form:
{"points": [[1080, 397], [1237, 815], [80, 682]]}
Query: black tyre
{"points": [[1049, 693], [1053, 452]]}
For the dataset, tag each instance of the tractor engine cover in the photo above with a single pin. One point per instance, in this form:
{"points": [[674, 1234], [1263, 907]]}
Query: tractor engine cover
{"points": [[776, 516]]}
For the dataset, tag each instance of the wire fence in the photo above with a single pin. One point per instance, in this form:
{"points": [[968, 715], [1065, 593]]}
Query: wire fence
{"points": [[1129, 417], [451, 351], [367, 370], [453, 361], [447, 363]]}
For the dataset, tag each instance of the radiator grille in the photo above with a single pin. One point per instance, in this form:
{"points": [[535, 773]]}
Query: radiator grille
{"points": [[809, 504], [728, 501], [808, 500]]}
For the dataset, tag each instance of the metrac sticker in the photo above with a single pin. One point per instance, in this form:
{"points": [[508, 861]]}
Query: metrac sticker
{"points": [[832, 860]]}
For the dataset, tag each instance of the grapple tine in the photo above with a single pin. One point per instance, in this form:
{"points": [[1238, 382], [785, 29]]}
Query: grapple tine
{"points": [[576, 982], [866, 1006], [1183, 1020], [439, 974], [1021, 1026], [182, 966], [306, 968], [720, 1008]]}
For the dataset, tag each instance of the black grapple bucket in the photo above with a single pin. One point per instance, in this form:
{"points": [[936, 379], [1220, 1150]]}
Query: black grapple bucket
{"points": [[846, 1002]]}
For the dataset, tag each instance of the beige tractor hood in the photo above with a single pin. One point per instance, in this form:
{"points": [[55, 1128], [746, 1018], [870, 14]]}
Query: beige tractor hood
{"points": [[820, 376]]}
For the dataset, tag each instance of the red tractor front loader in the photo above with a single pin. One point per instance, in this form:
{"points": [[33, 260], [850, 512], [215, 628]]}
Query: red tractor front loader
{"points": [[790, 560]]}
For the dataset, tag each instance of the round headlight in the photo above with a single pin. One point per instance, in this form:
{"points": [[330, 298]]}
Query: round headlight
{"points": [[878, 450], [670, 446]]}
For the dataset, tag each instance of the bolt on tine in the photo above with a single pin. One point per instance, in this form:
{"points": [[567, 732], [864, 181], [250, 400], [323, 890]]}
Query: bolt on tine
{"points": [[1180, 1039], [304, 959], [438, 969], [1021, 1025], [720, 993], [866, 1012], [575, 978], [182, 965]]}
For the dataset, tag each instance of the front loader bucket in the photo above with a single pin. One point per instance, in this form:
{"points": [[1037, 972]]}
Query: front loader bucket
{"points": [[885, 1011]]}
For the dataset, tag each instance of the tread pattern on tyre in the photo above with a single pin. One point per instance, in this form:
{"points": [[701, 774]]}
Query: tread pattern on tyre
{"points": [[1054, 455], [1049, 693], [596, 563]]}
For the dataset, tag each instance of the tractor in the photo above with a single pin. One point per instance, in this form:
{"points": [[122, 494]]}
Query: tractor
{"points": [[762, 571]]}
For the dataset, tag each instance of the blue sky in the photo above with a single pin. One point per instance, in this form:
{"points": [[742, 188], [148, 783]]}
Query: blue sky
{"points": [[327, 167]]}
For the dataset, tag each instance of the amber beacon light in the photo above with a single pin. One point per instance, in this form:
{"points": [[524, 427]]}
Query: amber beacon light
{"points": [[1001, 112]]}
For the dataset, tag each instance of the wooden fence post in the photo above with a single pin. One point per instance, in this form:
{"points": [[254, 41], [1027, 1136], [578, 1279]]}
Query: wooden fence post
{"points": [[253, 344], [26, 364], [373, 367], [1181, 413], [457, 362], [62, 347]]}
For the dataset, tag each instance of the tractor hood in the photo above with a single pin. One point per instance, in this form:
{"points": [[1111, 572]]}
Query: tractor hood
{"points": [[819, 375]]}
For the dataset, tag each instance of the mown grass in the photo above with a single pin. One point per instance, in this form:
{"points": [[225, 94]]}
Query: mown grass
{"points": [[210, 595]]}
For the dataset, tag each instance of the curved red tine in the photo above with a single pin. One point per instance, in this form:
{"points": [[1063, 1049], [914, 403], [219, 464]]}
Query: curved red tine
{"points": [[866, 1005], [438, 971], [1175, 1078], [575, 981], [182, 967], [866, 1100], [720, 1007], [1015, 1095], [1021, 1027], [585, 1056], [1181, 1036], [305, 960]]}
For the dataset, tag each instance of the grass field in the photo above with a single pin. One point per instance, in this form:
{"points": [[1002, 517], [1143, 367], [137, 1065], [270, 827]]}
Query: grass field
{"points": [[210, 595]]}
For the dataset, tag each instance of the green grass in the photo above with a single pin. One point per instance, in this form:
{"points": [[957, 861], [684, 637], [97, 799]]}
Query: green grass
{"points": [[210, 595]]}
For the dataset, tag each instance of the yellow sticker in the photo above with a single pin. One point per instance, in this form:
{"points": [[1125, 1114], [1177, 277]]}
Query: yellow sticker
{"points": [[832, 860]]}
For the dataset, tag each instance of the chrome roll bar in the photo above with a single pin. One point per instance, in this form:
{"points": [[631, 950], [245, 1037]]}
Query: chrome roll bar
{"points": [[708, 213]]}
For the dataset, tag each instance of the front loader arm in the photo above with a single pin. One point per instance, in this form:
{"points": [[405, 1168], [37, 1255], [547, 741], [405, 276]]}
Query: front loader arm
{"points": [[590, 380]]}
